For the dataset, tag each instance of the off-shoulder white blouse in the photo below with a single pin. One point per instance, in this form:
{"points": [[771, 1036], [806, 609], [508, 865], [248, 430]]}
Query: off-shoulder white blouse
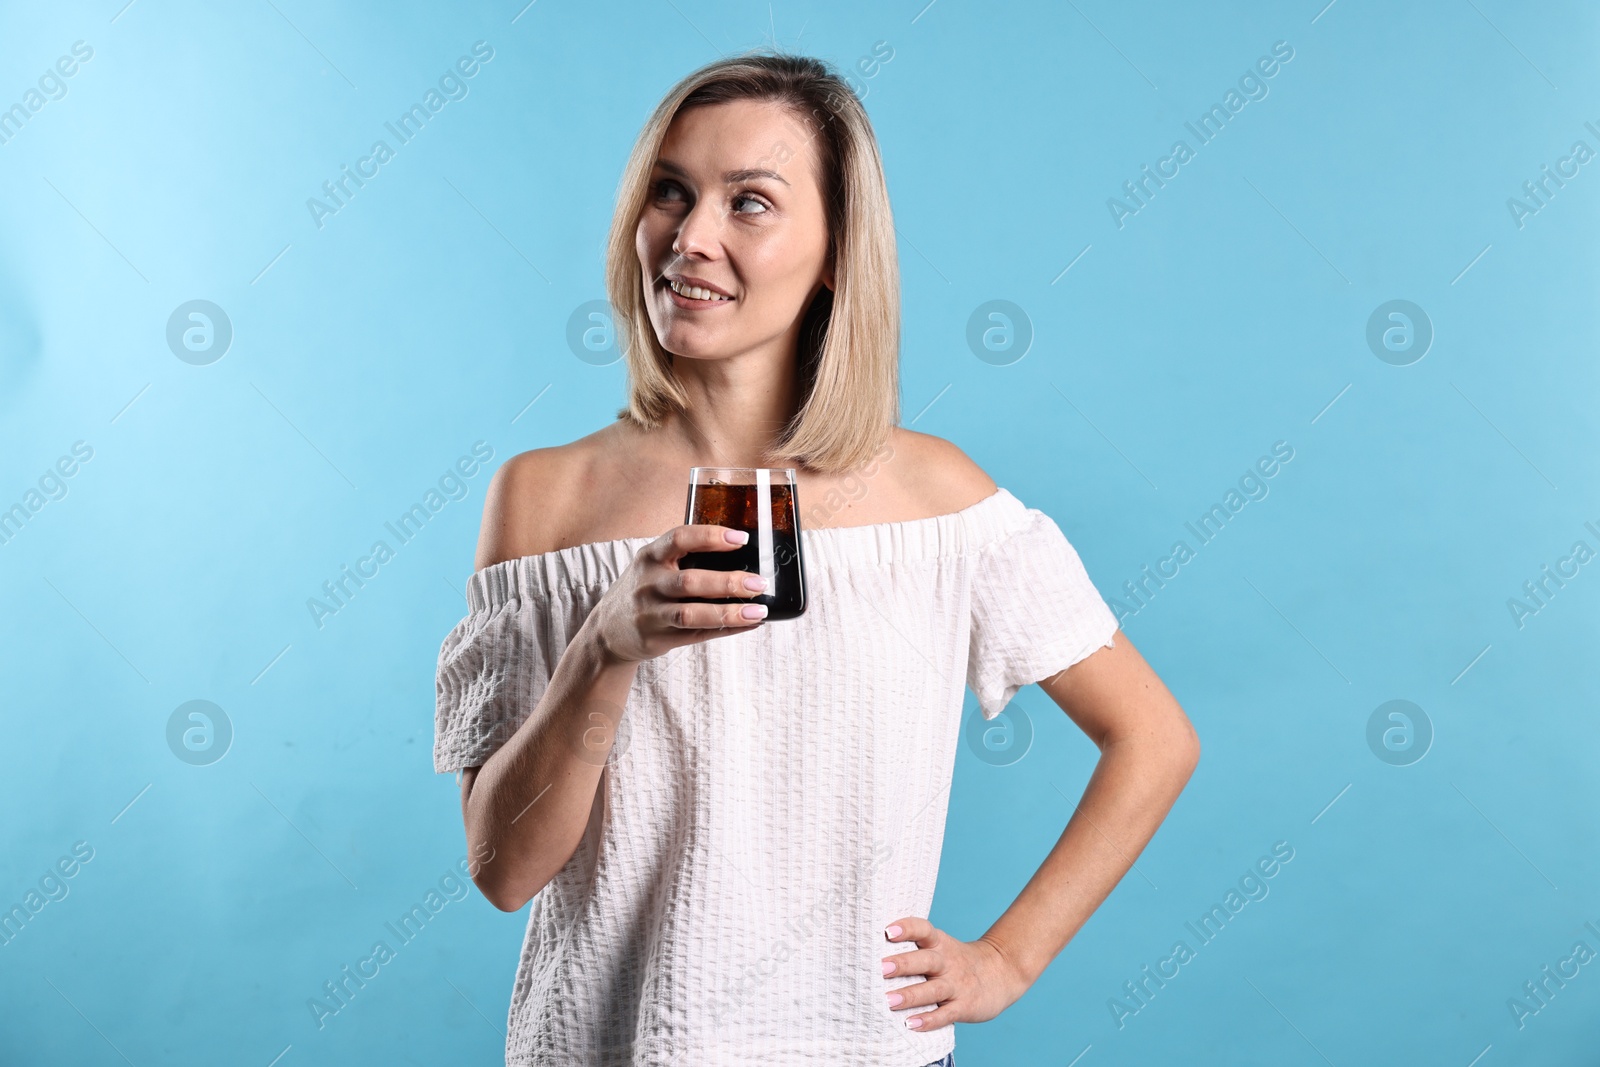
{"points": [[775, 797]]}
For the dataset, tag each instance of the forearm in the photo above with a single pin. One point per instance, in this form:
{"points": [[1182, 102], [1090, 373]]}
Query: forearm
{"points": [[1134, 785], [531, 801]]}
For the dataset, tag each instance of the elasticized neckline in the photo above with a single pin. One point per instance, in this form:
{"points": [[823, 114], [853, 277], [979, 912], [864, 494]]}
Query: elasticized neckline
{"points": [[598, 563]]}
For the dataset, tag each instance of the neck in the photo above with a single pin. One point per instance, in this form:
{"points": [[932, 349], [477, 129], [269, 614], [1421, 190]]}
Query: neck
{"points": [[738, 405]]}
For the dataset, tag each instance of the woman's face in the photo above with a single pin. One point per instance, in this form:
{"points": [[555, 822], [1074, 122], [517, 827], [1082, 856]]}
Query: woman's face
{"points": [[734, 206]]}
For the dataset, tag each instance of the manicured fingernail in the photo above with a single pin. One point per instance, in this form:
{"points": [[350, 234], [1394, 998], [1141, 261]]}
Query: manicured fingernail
{"points": [[914, 1022], [892, 932], [755, 581], [888, 967], [895, 999], [754, 611], [737, 537]]}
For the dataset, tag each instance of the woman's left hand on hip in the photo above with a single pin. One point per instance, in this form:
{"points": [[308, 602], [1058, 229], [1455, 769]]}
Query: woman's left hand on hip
{"points": [[969, 981]]}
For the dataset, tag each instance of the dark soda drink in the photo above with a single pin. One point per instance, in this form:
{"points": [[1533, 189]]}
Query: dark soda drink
{"points": [[773, 524]]}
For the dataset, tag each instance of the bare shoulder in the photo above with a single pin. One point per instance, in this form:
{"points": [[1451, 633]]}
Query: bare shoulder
{"points": [[939, 473], [526, 498], [523, 490]]}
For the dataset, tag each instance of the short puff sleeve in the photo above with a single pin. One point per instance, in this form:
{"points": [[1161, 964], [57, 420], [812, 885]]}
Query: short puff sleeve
{"points": [[1034, 612], [493, 668]]}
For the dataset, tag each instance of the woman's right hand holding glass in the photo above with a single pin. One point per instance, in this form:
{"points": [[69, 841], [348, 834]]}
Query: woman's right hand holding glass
{"points": [[651, 608]]}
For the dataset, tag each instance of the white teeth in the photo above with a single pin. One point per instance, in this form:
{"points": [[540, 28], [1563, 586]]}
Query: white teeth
{"points": [[694, 292]]}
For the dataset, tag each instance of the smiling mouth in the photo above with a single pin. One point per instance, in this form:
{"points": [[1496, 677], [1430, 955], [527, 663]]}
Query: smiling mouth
{"points": [[695, 295]]}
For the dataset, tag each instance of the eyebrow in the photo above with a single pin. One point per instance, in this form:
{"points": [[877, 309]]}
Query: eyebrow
{"points": [[729, 177]]}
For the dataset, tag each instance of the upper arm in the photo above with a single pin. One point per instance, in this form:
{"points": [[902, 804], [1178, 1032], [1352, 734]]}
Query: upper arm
{"points": [[1114, 695], [523, 492], [522, 496]]}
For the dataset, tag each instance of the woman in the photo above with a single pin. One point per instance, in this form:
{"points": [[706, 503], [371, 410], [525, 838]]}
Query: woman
{"points": [[730, 830]]}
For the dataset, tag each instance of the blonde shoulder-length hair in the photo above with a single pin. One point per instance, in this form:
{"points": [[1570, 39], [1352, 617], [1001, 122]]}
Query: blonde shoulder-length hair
{"points": [[849, 354]]}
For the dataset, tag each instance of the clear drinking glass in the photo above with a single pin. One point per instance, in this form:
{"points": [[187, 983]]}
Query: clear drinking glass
{"points": [[763, 502]]}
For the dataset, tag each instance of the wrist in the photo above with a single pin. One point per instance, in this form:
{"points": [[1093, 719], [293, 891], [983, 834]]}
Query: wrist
{"points": [[591, 639], [1017, 974]]}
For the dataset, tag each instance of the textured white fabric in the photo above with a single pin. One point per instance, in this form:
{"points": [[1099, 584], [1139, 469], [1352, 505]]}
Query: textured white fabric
{"points": [[776, 796]]}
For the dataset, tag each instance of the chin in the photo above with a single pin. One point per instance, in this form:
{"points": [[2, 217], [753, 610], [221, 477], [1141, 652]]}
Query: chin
{"points": [[692, 351], [696, 344]]}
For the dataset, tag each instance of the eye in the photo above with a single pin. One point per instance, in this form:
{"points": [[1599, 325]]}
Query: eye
{"points": [[662, 186], [742, 197]]}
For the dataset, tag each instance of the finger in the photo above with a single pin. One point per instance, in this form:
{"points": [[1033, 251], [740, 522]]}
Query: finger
{"points": [[688, 615], [681, 540], [928, 992], [912, 928], [932, 1020], [697, 582], [918, 961]]}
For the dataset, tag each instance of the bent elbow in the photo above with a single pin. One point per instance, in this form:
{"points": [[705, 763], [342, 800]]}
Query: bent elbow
{"points": [[507, 898], [502, 897], [505, 903], [494, 892], [1173, 750], [1191, 754], [1187, 746], [1185, 742]]}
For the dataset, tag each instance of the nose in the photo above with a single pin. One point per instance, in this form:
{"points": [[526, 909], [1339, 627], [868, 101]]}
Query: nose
{"points": [[697, 234]]}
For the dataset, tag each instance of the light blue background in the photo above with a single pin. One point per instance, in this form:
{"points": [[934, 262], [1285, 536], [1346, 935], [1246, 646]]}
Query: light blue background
{"points": [[1228, 314]]}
